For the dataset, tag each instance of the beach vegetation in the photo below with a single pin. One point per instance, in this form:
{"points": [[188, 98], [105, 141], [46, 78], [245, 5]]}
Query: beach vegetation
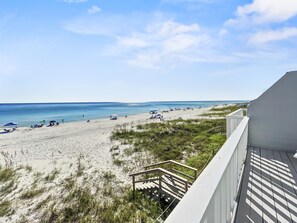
{"points": [[31, 193], [80, 166], [8, 187], [223, 111], [6, 174], [192, 141], [114, 148], [52, 175], [28, 168], [81, 205], [5, 208], [108, 175], [117, 162], [179, 140], [23, 219], [37, 174], [42, 203], [69, 183]]}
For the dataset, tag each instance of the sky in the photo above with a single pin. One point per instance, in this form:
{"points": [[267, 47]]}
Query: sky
{"points": [[144, 50]]}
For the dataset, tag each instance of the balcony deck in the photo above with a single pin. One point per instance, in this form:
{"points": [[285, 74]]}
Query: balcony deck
{"points": [[269, 189]]}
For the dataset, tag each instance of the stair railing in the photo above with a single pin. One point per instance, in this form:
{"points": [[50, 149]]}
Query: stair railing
{"points": [[173, 163], [159, 181]]}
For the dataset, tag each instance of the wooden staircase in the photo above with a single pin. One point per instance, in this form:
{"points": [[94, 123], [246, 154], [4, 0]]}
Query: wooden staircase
{"points": [[168, 180]]}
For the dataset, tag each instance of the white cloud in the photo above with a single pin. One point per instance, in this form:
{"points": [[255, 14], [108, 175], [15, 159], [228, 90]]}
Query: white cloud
{"points": [[99, 25], [171, 28], [132, 42], [273, 35], [161, 41], [94, 9], [264, 11], [223, 32], [103, 24], [74, 1]]}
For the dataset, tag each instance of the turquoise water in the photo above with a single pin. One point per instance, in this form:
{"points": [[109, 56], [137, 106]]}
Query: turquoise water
{"points": [[28, 114]]}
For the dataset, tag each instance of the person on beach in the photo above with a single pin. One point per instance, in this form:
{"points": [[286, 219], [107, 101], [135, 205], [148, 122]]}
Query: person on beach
{"points": [[62, 120]]}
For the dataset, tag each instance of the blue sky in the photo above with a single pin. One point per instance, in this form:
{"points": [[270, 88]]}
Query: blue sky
{"points": [[144, 50]]}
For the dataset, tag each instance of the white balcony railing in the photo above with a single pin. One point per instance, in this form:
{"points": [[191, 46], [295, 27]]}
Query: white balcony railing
{"points": [[212, 198], [233, 121]]}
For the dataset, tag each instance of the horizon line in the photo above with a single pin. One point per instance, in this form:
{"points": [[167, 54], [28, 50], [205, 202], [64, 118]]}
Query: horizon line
{"points": [[85, 102]]}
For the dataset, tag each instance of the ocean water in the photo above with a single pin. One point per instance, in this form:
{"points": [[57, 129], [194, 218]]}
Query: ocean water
{"points": [[34, 113]]}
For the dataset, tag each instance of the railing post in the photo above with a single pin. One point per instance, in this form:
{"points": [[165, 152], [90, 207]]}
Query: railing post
{"points": [[195, 173], [133, 179], [160, 185], [186, 186]]}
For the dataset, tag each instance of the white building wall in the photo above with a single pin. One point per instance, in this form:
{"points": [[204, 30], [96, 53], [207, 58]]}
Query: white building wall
{"points": [[273, 116]]}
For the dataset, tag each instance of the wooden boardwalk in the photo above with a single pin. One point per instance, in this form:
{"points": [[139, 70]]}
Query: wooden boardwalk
{"points": [[269, 189]]}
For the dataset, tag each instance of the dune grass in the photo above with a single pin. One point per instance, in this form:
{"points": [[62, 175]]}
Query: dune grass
{"points": [[52, 175], [192, 141], [6, 174], [223, 111], [31, 193], [82, 204], [5, 207]]}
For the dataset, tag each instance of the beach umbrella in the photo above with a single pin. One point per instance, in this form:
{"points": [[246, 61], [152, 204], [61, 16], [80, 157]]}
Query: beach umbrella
{"points": [[10, 124]]}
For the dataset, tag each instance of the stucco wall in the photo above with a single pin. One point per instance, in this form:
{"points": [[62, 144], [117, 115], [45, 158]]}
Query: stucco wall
{"points": [[273, 116]]}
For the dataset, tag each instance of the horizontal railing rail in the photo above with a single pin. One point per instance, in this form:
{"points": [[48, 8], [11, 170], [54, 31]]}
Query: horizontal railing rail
{"points": [[160, 170], [213, 196], [194, 170]]}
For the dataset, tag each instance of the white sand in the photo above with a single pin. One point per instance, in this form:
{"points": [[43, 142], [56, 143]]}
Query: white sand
{"points": [[41, 147]]}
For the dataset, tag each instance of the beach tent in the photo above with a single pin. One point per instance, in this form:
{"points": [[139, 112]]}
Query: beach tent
{"points": [[153, 111], [114, 117], [53, 121]]}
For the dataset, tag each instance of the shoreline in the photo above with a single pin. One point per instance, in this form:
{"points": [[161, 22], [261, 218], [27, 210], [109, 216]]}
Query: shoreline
{"points": [[120, 117], [28, 115]]}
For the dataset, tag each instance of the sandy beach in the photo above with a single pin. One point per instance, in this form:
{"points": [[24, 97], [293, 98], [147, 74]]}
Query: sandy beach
{"points": [[44, 147], [41, 151]]}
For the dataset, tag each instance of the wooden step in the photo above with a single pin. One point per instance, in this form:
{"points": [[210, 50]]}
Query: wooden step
{"points": [[146, 186]]}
